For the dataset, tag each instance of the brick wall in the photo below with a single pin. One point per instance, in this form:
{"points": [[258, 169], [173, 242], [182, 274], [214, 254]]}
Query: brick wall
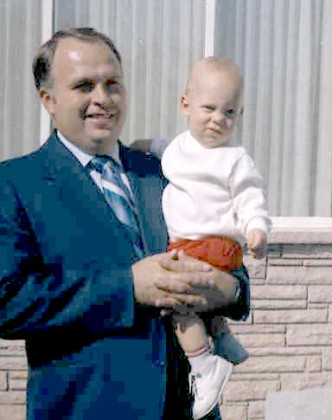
{"points": [[13, 376], [288, 333]]}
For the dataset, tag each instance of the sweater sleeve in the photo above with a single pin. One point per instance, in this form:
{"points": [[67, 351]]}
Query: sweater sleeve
{"points": [[158, 147], [249, 197]]}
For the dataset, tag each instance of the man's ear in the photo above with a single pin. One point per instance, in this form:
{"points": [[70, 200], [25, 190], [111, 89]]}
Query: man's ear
{"points": [[47, 100], [185, 104]]}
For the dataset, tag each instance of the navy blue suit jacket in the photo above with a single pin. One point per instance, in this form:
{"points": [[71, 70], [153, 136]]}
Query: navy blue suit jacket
{"points": [[66, 287]]}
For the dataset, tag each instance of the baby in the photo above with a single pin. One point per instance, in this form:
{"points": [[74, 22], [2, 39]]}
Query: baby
{"points": [[214, 205]]}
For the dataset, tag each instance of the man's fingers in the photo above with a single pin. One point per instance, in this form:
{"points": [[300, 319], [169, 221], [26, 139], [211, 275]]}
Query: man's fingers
{"points": [[171, 285], [185, 282], [178, 261], [182, 304], [167, 302]]}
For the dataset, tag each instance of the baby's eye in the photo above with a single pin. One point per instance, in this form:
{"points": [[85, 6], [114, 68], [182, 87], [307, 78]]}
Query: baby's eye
{"points": [[209, 107], [230, 113]]}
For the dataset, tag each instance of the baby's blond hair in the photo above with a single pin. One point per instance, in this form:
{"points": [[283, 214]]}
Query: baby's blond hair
{"points": [[214, 64]]}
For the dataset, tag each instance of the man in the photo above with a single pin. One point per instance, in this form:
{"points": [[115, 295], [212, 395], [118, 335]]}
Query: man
{"points": [[79, 283]]}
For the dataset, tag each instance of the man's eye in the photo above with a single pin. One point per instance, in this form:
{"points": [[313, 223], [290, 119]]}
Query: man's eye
{"points": [[85, 86], [113, 87]]}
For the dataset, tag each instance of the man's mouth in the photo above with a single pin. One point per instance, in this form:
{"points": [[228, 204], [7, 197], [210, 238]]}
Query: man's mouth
{"points": [[99, 116]]}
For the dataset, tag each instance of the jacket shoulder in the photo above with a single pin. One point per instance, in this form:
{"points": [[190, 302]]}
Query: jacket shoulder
{"points": [[142, 164]]}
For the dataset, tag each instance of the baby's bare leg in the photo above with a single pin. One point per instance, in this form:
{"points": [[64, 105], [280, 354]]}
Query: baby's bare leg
{"points": [[191, 333]]}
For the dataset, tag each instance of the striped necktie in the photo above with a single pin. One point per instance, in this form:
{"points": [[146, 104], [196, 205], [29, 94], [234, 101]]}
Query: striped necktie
{"points": [[119, 197]]}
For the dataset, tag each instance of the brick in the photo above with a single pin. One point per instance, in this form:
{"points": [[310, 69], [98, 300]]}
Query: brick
{"points": [[314, 364], [321, 262], [275, 364], [12, 412], [278, 304], [18, 374], [12, 397], [296, 275], [240, 328], [15, 363], [256, 282], [309, 335], [291, 382], [256, 410], [12, 351], [327, 359], [320, 294], [279, 292], [248, 391], [262, 340], [256, 268], [12, 344], [254, 376], [309, 250], [318, 306], [286, 351], [284, 261], [233, 411], [291, 316], [17, 384], [3, 381]]}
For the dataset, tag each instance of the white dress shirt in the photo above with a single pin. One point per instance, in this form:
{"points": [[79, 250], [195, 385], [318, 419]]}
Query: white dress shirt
{"points": [[85, 158]]}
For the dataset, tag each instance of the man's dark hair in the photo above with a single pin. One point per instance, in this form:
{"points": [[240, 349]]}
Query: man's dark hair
{"points": [[42, 63]]}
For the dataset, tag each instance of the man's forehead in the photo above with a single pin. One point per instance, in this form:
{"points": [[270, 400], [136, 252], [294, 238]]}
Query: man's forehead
{"points": [[80, 50], [86, 59]]}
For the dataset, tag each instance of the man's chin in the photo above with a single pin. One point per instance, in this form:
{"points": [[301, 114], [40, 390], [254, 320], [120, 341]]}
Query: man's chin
{"points": [[101, 144]]}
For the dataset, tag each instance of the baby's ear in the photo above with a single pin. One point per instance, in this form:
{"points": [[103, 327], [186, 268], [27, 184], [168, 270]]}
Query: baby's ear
{"points": [[184, 104]]}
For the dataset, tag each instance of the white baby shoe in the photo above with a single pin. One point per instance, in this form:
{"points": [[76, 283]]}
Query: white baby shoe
{"points": [[208, 384]]}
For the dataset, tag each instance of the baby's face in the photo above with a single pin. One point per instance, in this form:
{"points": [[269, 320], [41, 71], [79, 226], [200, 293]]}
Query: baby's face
{"points": [[214, 107]]}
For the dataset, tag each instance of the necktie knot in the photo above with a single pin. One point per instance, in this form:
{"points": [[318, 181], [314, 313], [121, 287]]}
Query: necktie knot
{"points": [[99, 163]]}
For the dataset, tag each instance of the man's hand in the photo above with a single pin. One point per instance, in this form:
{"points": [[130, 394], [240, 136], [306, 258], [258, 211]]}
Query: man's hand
{"points": [[214, 287], [256, 242], [156, 284]]}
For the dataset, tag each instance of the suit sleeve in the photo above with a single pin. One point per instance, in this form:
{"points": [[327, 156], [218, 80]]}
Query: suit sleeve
{"points": [[35, 297]]}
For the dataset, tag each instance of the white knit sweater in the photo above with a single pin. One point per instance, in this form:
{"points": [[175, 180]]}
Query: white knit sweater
{"points": [[212, 191]]}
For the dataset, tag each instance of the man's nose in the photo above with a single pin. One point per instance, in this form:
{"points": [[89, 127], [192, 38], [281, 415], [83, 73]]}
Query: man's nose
{"points": [[100, 94]]}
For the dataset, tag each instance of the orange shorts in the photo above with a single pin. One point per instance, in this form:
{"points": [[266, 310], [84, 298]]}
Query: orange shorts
{"points": [[221, 252]]}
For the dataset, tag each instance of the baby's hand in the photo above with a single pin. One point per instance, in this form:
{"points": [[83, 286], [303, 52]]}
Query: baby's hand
{"points": [[256, 243]]}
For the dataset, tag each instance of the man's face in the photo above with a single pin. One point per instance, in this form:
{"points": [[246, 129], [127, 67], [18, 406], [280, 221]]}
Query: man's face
{"points": [[213, 106], [87, 98]]}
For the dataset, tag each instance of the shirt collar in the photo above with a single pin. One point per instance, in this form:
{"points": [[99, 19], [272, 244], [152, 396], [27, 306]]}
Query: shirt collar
{"points": [[83, 157]]}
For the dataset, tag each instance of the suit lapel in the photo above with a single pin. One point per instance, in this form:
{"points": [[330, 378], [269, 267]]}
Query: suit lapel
{"points": [[63, 171], [147, 182]]}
